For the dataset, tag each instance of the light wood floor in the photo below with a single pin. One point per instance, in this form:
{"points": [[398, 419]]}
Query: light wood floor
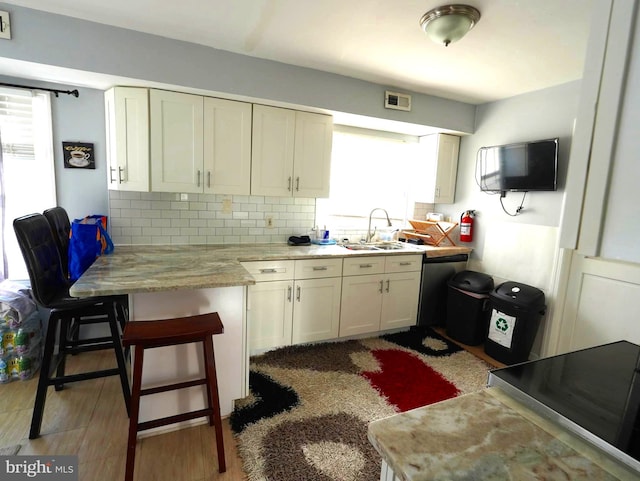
{"points": [[477, 351], [89, 419]]}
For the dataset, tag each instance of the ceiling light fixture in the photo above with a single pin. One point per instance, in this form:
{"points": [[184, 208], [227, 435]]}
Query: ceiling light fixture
{"points": [[449, 23]]}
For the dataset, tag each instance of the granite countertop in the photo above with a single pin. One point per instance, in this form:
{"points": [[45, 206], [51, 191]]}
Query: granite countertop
{"points": [[486, 435], [134, 269]]}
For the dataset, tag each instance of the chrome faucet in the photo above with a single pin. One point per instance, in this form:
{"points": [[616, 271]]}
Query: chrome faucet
{"points": [[371, 234]]}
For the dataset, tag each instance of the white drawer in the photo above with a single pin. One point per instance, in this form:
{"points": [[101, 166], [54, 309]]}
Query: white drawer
{"points": [[276, 270], [358, 266], [316, 268], [411, 262]]}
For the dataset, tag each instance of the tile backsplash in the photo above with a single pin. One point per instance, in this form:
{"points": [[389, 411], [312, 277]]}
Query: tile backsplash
{"points": [[169, 218]]}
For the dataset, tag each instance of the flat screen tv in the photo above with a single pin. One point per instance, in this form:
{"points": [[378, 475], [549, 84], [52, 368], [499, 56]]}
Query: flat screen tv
{"points": [[522, 167]]}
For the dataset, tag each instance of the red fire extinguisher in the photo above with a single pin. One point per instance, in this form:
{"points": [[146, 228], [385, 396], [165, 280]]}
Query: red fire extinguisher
{"points": [[466, 226]]}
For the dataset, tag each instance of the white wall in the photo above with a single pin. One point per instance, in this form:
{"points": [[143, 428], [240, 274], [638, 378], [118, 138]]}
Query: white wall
{"points": [[521, 248], [538, 115], [599, 303], [621, 228]]}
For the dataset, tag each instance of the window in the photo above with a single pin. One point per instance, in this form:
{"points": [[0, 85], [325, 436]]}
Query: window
{"points": [[27, 180], [369, 169]]}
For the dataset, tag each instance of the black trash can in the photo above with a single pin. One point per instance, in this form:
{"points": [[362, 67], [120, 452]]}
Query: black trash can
{"points": [[516, 310], [468, 307]]}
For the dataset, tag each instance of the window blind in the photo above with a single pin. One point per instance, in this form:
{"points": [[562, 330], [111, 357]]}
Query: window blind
{"points": [[16, 125]]}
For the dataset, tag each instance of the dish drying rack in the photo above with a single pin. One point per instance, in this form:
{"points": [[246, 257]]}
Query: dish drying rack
{"points": [[432, 233]]}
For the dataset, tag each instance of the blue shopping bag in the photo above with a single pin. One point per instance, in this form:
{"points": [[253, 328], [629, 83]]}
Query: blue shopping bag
{"points": [[88, 240]]}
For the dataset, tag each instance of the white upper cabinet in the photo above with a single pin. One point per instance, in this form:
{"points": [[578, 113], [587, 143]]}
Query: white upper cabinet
{"points": [[227, 147], [200, 144], [436, 180], [272, 151], [176, 141], [127, 121], [291, 152], [312, 158], [163, 141]]}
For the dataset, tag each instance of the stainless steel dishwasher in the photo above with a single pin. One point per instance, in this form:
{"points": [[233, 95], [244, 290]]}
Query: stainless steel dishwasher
{"points": [[436, 272]]}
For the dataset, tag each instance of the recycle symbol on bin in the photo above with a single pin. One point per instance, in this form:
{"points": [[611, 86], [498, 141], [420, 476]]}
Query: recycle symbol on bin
{"points": [[502, 324]]}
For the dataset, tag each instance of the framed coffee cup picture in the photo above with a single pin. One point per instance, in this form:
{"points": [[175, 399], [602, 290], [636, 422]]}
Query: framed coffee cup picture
{"points": [[78, 155]]}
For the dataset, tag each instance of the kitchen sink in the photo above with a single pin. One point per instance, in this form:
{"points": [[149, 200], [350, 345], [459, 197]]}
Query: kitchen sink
{"points": [[390, 247], [360, 247], [375, 247]]}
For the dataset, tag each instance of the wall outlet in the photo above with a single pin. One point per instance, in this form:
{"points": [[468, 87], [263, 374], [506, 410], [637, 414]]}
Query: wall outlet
{"points": [[226, 206], [5, 25], [268, 221]]}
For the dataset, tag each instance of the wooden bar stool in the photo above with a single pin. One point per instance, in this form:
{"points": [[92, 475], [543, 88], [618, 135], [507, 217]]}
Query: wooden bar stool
{"points": [[149, 334]]}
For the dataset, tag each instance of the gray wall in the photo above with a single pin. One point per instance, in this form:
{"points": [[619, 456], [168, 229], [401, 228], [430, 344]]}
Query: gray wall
{"points": [[538, 115], [49, 39], [522, 248], [80, 191]]}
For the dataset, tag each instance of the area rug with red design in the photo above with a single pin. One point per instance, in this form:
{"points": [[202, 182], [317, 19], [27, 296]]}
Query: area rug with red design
{"points": [[307, 416]]}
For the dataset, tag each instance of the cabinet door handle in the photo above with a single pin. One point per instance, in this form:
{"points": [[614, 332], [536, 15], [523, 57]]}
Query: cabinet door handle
{"points": [[388, 282], [208, 178], [120, 170], [198, 183], [365, 266], [111, 171], [289, 289], [320, 268], [405, 263], [289, 185], [298, 293], [297, 184], [268, 271], [380, 290]]}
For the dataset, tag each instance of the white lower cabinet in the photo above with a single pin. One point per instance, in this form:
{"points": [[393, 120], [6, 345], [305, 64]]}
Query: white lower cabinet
{"points": [[311, 300], [269, 313], [400, 300], [316, 311], [385, 299], [293, 302]]}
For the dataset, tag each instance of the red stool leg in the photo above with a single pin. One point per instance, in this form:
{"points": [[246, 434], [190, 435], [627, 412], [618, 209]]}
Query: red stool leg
{"points": [[134, 412], [214, 400]]}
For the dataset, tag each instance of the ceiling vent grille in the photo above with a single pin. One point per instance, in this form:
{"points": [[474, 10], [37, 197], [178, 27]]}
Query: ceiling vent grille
{"points": [[396, 101]]}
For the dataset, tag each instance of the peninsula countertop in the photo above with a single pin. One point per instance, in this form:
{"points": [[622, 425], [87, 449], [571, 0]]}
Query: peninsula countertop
{"points": [[145, 268], [486, 435]]}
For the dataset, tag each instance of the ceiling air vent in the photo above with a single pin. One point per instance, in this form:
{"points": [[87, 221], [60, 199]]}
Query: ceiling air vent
{"points": [[394, 100]]}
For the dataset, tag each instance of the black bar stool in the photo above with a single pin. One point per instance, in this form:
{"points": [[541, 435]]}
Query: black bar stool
{"points": [[150, 334], [50, 290], [61, 227]]}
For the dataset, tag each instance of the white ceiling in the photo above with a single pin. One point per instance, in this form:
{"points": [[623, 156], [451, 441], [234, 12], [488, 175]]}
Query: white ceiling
{"points": [[518, 46]]}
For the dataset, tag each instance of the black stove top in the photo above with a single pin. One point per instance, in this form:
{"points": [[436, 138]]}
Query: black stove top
{"points": [[595, 390]]}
